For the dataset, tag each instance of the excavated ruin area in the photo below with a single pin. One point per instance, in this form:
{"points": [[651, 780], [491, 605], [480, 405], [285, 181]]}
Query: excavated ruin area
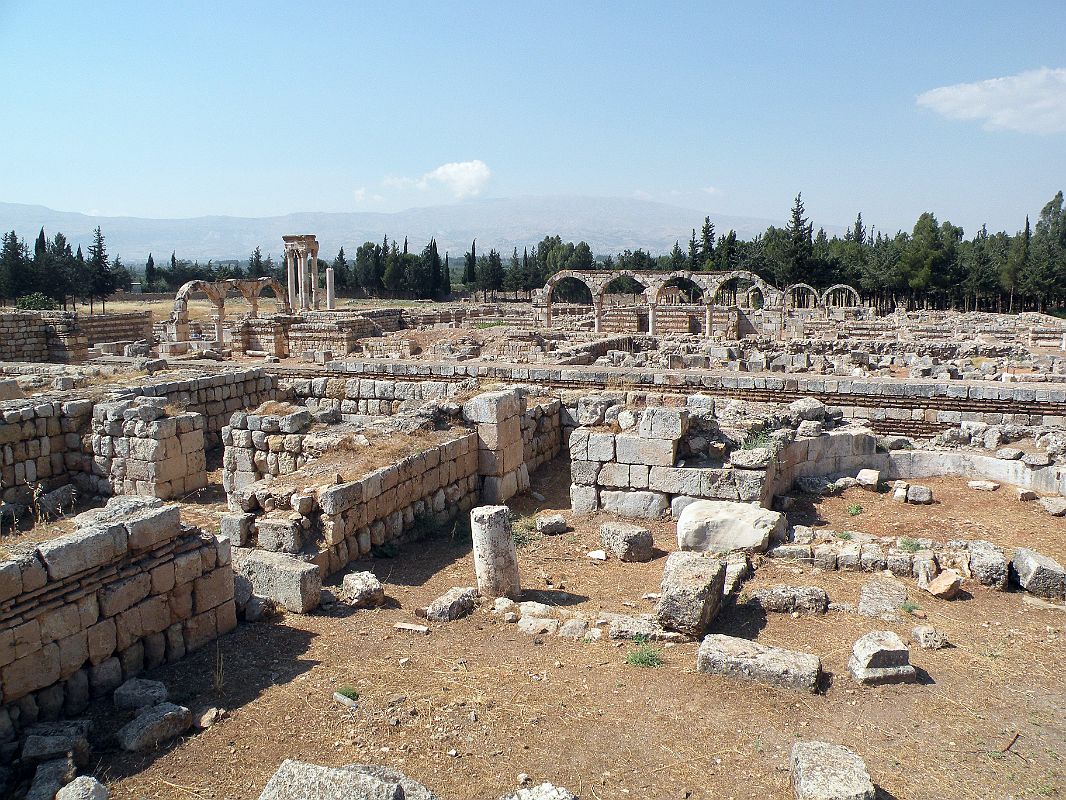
{"points": [[469, 706]]}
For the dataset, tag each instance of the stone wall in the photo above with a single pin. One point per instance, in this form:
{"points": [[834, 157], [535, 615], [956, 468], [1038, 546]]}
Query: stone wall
{"points": [[42, 445], [331, 524], [368, 396], [141, 449], [261, 445], [130, 326], [129, 589], [41, 336], [541, 431]]}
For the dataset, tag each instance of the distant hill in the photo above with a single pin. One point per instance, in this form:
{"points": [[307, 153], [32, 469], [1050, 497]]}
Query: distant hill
{"points": [[608, 224]]}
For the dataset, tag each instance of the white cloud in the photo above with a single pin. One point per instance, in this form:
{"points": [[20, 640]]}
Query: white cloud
{"points": [[460, 178], [1029, 102], [362, 196], [710, 189]]}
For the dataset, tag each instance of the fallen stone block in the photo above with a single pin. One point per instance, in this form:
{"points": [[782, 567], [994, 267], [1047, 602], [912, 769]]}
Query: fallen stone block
{"points": [[691, 593], [545, 791], [362, 590], [455, 603], [946, 585], [83, 788], [623, 626], [881, 657], [139, 693], [784, 599], [868, 478], [635, 504], [1055, 506], [291, 583], [824, 771], [928, 638], [411, 627], [919, 495], [50, 777], [41, 747], [628, 542], [538, 626], [988, 564], [746, 660], [720, 526], [412, 789], [983, 486], [297, 780], [1038, 574], [551, 524], [154, 726]]}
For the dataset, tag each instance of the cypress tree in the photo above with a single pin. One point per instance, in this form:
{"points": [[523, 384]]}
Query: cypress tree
{"points": [[470, 267], [149, 272], [706, 242]]}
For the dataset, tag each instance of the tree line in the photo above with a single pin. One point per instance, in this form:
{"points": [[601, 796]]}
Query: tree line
{"points": [[932, 266]]}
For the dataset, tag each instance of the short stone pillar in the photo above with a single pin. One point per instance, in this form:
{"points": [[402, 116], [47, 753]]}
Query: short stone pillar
{"points": [[495, 557], [651, 318], [331, 290]]}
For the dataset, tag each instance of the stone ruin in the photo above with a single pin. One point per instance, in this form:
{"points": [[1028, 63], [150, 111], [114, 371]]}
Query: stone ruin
{"points": [[337, 436]]}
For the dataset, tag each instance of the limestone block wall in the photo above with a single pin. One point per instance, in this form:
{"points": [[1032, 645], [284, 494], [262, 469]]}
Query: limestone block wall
{"points": [[341, 339], [332, 524], [541, 431], [41, 336], [115, 327], [215, 396], [838, 453], [140, 449], [385, 348], [258, 445], [497, 419], [42, 445], [261, 335], [130, 589], [369, 396]]}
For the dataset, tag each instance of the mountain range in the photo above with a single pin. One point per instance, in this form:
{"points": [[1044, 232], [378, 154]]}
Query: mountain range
{"points": [[608, 224]]}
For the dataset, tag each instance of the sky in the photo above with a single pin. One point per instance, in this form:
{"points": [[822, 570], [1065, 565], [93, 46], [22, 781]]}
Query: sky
{"points": [[266, 108]]}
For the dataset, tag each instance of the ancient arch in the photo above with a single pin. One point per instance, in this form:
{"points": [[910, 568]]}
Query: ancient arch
{"points": [[216, 292], [832, 296], [792, 296]]}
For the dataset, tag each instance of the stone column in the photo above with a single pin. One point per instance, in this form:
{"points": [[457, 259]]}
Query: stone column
{"points": [[651, 319], [313, 274], [495, 558], [548, 316], [707, 319], [597, 312], [331, 290], [290, 276], [303, 280]]}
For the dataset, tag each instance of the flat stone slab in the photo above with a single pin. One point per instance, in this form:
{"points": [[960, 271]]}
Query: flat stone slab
{"points": [[881, 598], [455, 603], [154, 726], [721, 526], [412, 789], [1039, 574], [545, 791], [881, 657], [551, 524], [746, 660], [786, 599], [297, 780], [622, 626], [294, 584], [824, 771]]}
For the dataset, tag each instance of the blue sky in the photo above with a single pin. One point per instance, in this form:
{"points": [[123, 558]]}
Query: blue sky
{"points": [[262, 108]]}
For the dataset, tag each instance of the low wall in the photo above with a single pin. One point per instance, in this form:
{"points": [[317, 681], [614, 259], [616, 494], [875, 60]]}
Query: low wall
{"points": [[133, 326], [363, 396], [42, 445], [81, 613], [41, 336], [541, 432]]}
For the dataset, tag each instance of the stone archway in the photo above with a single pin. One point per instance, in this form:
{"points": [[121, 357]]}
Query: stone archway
{"points": [[216, 291], [791, 295], [837, 292]]}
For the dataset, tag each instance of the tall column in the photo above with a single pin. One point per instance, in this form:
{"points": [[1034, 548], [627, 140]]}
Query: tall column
{"points": [[597, 314], [314, 279], [331, 289], [651, 319], [290, 277], [302, 263], [707, 320]]}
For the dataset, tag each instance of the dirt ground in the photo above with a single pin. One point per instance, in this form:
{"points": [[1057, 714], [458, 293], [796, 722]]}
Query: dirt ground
{"points": [[476, 702]]}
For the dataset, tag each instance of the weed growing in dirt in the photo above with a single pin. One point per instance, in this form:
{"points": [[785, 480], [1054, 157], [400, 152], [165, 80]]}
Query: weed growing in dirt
{"points": [[845, 535], [756, 439], [909, 606], [348, 691], [909, 545], [524, 531], [645, 656], [854, 510]]}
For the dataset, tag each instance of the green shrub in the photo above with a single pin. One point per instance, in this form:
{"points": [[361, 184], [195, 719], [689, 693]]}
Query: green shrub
{"points": [[348, 691], [36, 302], [756, 439], [845, 535], [909, 545], [645, 657], [854, 510], [909, 606]]}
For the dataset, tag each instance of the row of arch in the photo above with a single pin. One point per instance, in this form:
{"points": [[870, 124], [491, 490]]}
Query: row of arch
{"points": [[798, 295]]}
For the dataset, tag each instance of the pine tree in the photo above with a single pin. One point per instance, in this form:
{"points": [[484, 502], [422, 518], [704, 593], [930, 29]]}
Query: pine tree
{"points": [[343, 278], [255, 263], [512, 281], [10, 265], [101, 280], [706, 243], [798, 247], [394, 269], [490, 272], [149, 273], [677, 258], [470, 266], [1017, 262], [693, 253]]}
